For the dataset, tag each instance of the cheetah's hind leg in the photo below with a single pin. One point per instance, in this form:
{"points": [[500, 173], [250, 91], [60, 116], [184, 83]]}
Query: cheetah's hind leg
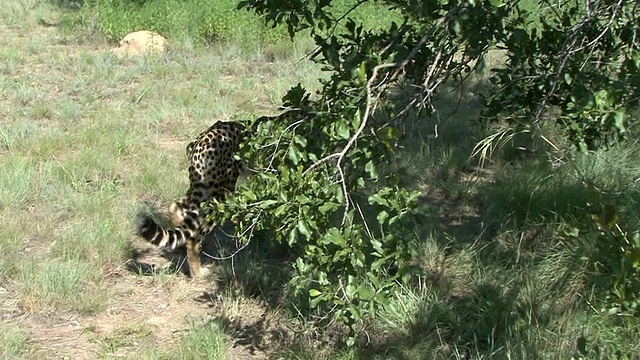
{"points": [[194, 246]]}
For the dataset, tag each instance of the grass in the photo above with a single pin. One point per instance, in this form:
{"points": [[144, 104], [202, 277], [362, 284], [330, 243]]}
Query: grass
{"points": [[12, 341], [17, 183], [127, 335], [86, 139], [58, 283], [207, 341]]}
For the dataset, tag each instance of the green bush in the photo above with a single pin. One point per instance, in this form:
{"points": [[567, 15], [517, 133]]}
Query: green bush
{"points": [[202, 20], [615, 257]]}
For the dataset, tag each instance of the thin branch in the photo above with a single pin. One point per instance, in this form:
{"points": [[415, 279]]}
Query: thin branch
{"points": [[569, 48], [277, 143], [338, 20], [370, 105], [320, 162], [249, 230], [442, 21]]}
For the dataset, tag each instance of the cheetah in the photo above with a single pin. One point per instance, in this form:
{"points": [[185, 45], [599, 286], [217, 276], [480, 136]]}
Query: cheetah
{"points": [[213, 172]]}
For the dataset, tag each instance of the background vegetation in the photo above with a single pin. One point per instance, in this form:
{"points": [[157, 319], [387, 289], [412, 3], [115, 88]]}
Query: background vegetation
{"points": [[476, 200]]}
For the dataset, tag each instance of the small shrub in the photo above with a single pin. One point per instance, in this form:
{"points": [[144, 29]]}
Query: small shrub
{"points": [[202, 20], [617, 260]]}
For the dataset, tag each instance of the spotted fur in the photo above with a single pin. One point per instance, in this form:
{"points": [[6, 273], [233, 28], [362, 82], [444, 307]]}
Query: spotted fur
{"points": [[213, 172]]}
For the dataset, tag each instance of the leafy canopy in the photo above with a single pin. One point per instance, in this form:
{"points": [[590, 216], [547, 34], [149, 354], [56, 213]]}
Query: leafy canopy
{"points": [[321, 186]]}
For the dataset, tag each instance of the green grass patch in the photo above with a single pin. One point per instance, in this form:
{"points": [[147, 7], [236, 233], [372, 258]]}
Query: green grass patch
{"points": [[101, 241], [125, 336], [56, 283], [533, 193], [10, 246], [13, 341], [9, 60], [202, 341], [205, 21], [17, 182]]}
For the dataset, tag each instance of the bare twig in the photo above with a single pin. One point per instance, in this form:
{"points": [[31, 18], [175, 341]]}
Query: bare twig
{"points": [[569, 48], [273, 155], [249, 230], [431, 82]]}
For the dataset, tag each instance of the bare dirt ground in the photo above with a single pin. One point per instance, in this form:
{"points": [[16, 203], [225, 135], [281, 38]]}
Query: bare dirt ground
{"points": [[143, 311]]}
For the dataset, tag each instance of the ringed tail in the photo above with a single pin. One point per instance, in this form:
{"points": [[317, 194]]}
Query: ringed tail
{"points": [[170, 239]]}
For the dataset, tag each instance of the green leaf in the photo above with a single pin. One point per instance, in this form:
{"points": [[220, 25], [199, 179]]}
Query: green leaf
{"points": [[364, 292], [635, 240], [304, 229], [303, 199], [567, 76], [315, 301], [293, 238], [326, 207], [378, 263], [340, 255], [634, 257], [355, 313], [249, 194], [314, 293], [351, 341], [339, 194], [619, 120], [378, 198], [456, 26], [358, 260], [374, 280], [362, 72], [342, 129], [267, 203], [300, 265], [333, 236], [382, 216], [371, 169], [294, 154], [388, 133], [377, 246], [300, 141], [280, 210], [406, 278], [350, 290]]}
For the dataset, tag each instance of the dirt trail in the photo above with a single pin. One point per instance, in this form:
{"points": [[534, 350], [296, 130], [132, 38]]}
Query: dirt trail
{"points": [[139, 305], [142, 313]]}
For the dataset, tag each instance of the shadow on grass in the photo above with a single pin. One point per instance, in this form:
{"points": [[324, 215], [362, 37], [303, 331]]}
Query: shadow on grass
{"points": [[215, 248], [256, 336], [261, 269], [489, 320]]}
